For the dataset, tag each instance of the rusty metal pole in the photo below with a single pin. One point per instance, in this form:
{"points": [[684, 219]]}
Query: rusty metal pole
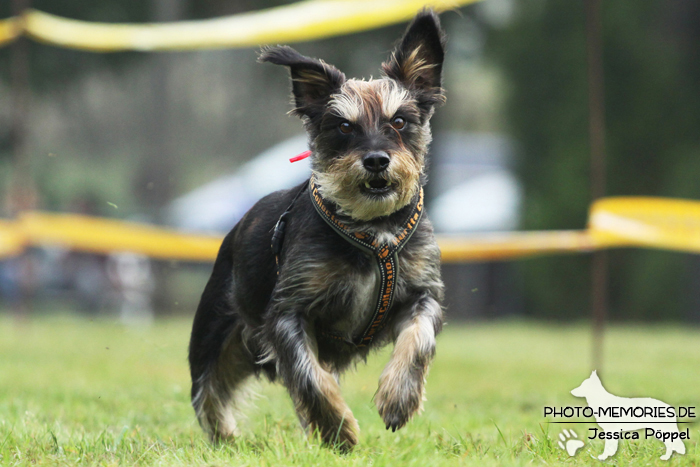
{"points": [[596, 121]]}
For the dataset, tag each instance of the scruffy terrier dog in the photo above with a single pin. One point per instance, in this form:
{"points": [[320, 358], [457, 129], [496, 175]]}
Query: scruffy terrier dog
{"points": [[353, 263]]}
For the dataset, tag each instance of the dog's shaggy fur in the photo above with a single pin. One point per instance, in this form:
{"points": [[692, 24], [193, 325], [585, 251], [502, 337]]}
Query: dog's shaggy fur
{"points": [[369, 141]]}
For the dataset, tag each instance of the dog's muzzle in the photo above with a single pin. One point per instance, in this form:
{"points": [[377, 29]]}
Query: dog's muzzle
{"points": [[376, 162]]}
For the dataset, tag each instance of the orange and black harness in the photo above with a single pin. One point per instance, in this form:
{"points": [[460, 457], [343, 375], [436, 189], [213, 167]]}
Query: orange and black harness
{"points": [[385, 254]]}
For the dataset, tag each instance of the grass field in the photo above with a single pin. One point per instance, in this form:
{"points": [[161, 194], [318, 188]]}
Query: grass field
{"points": [[76, 392]]}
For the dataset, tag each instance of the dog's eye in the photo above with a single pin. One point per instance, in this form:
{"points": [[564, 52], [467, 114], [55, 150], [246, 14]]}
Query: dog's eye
{"points": [[398, 123], [345, 128]]}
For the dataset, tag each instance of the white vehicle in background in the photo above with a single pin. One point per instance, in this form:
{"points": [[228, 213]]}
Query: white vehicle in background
{"points": [[217, 206]]}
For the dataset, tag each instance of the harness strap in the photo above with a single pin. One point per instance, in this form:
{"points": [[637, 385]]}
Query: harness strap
{"points": [[385, 254], [280, 226]]}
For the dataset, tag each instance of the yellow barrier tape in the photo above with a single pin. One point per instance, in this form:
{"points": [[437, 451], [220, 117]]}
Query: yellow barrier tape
{"points": [[512, 245], [106, 235], [614, 222], [12, 242], [10, 29], [302, 21], [103, 236], [652, 222]]}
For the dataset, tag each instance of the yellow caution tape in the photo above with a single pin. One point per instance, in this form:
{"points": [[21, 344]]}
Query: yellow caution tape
{"points": [[672, 224], [107, 235], [614, 222], [103, 236], [10, 29], [12, 242], [511, 245], [302, 21]]}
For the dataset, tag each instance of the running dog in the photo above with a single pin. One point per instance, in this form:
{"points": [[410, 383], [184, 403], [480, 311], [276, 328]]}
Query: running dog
{"points": [[313, 278]]}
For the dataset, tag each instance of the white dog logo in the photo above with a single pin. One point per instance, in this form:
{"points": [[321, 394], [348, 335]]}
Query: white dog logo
{"points": [[617, 415]]}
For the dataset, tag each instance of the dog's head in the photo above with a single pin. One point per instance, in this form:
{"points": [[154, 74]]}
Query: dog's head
{"points": [[369, 139]]}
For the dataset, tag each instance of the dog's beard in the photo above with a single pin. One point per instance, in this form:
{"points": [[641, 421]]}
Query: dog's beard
{"points": [[343, 181]]}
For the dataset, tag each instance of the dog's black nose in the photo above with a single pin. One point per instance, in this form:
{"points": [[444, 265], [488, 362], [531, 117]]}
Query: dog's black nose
{"points": [[376, 161]]}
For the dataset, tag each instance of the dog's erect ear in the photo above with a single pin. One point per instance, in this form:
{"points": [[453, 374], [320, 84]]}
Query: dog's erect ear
{"points": [[417, 61], [313, 81]]}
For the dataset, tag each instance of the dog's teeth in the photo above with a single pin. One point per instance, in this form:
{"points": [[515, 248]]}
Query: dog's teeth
{"points": [[367, 185]]}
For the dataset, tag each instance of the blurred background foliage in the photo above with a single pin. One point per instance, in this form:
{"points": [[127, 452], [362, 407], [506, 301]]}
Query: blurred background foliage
{"points": [[122, 134], [652, 70]]}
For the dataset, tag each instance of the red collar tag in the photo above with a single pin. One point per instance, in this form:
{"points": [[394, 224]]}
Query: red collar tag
{"points": [[301, 156]]}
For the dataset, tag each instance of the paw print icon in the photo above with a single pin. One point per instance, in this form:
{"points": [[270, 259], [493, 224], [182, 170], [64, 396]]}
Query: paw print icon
{"points": [[569, 442]]}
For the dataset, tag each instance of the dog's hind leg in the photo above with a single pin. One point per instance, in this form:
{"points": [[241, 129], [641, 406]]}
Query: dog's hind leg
{"points": [[401, 385], [314, 390], [219, 360], [218, 391]]}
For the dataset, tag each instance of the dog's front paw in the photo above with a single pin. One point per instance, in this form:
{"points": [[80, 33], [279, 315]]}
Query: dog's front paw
{"points": [[398, 399]]}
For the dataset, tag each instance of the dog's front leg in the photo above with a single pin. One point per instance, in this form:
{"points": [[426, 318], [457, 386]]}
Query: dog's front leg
{"points": [[315, 391], [401, 385]]}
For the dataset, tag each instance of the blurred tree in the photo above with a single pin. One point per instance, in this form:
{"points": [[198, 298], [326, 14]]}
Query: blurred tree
{"points": [[651, 52]]}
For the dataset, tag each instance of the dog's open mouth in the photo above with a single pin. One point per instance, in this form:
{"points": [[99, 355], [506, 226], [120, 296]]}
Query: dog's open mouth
{"points": [[378, 186]]}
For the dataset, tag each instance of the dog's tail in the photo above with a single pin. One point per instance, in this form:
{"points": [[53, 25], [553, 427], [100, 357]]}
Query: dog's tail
{"points": [[213, 320], [219, 363]]}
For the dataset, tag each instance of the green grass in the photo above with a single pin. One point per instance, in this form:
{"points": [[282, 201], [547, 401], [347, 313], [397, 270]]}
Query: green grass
{"points": [[74, 392]]}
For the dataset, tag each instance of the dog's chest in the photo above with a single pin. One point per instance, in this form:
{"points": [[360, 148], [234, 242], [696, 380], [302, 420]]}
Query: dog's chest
{"points": [[345, 297], [341, 295], [358, 294]]}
